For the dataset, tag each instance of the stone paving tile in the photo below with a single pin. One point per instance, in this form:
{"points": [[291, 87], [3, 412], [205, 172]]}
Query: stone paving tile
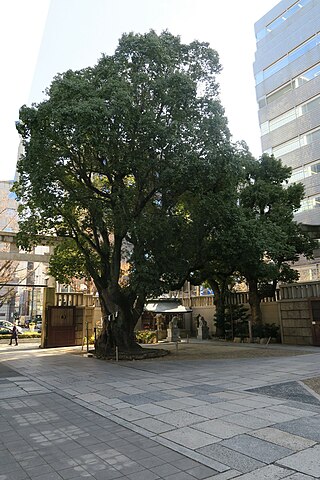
{"points": [[201, 472], [265, 399], [259, 449], [246, 420], [210, 398], [306, 461], [185, 463], [220, 428], [138, 399], [272, 415], [295, 412], [201, 389], [284, 439], [305, 406], [180, 418], [207, 411], [178, 393], [150, 461], [165, 470], [228, 395], [152, 409], [146, 475], [153, 425], [288, 390], [270, 472], [158, 396], [229, 457], [299, 476], [193, 402], [308, 427], [190, 438], [130, 414], [53, 476], [171, 404], [180, 476], [251, 402], [233, 407], [225, 475]]}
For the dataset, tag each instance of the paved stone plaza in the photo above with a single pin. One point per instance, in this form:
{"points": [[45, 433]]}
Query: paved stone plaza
{"points": [[67, 416]]}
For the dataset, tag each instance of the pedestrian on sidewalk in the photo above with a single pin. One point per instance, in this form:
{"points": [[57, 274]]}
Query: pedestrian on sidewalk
{"points": [[14, 334]]}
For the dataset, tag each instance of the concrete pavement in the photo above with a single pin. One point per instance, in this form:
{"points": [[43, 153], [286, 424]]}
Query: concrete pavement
{"points": [[63, 416]]}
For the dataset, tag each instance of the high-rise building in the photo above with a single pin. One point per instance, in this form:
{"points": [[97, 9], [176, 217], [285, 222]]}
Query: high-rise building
{"points": [[287, 74]]}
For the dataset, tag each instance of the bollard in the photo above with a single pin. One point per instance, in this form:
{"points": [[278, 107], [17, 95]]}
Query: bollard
{"points": [[87, 325], [176, 347], [117, 354]]}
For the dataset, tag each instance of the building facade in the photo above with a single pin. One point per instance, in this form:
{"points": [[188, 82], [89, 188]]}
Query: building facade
{"points": [[287, 75]]}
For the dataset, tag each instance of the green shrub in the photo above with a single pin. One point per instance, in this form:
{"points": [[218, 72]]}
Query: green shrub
{"points": [[146, 336], [6, 336], [267, 330]]}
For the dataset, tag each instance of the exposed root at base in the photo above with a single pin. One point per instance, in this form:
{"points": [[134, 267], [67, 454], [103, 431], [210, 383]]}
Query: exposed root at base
{"points": [[142, 354]]}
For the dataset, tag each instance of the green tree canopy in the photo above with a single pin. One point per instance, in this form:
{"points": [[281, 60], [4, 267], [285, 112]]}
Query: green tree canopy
{"points": [[123, 160], [274, 241]]}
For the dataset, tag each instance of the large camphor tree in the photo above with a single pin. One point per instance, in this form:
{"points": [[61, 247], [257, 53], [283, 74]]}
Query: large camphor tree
{"points": [[122, 161]]}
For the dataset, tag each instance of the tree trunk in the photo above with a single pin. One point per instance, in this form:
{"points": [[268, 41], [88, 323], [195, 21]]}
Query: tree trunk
{"points": [[254, 302], [220, 304], [119, 321]]}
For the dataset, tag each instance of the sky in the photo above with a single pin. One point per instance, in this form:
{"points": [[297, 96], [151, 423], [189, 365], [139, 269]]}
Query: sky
{"points": [[40, 38]]}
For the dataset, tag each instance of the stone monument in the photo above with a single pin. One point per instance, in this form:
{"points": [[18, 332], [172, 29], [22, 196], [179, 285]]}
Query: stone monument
{"points": [[203, 329], [173, 332]]}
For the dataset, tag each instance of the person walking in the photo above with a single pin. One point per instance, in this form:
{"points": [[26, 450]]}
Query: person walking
{"points": [[14, 334]]}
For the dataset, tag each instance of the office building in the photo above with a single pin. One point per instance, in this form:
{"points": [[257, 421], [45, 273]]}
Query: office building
{"points": [[287, 74]]}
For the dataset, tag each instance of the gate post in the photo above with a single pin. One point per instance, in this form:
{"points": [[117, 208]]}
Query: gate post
{"points": [[49, 297]]}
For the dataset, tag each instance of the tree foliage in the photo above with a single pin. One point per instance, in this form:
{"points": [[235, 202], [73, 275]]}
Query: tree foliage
{"points": [[123, 160], [274, 241]]}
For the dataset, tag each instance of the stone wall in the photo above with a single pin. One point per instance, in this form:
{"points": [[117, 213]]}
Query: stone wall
{"points": [[296, 322], [84, 317]]}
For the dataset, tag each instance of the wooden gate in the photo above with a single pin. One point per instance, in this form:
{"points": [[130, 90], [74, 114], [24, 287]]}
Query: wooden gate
{"points": [[315, 322], [61, 327]]}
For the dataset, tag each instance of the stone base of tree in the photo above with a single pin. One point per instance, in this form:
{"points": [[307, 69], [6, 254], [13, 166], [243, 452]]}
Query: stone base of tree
{"points": [[141, 354]]}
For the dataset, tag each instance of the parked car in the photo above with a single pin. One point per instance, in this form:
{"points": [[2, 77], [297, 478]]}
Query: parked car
{"points": [[6, 327]]}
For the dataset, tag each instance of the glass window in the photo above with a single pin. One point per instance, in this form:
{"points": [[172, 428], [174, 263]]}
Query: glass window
{"points": [[261, 34], [297, 82], [262, 102], [297, 175], [282, 119], [285, 60], [304, 172], [307, 75], [311, 105], [275, 67], [271, 97], [282, 18], [291, 115], [315, 168], [310, 203], [264, 128], [268, 151], [278, 21], [286, 147], [303, 48], [311, 137], [259, 77]]}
